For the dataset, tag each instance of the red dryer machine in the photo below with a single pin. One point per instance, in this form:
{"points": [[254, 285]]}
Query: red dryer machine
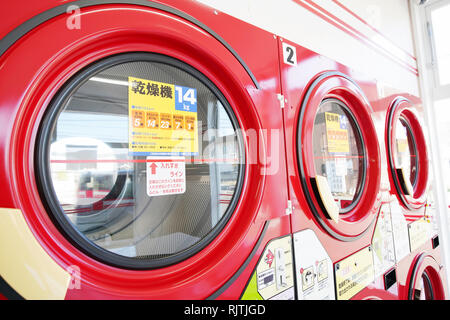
{"points": [[136, 151], [358, 192]]}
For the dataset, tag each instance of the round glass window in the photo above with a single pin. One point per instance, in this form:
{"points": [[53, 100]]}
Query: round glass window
{"points": [[405, 155], [338, 153], [140, 160]]}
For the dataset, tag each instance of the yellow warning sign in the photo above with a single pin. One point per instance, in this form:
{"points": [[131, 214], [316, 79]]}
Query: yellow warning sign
{"points": [[162, 119], [354, 274], [337, 132]]}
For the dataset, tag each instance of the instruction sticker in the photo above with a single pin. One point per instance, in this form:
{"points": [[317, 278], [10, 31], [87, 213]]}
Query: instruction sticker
{"points": [[354, 274], [274, 271], [165, 176], [313, 267], [337, 132], [162, 119], [419, 233], [273, 277]]}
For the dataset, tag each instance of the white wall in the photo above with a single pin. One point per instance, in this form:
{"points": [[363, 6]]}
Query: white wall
{"points": [[374, 38]]}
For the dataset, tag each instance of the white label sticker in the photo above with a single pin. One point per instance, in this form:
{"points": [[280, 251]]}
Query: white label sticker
{"points": [[165, 176], [289, 54], [275, 269], [314, 268]]}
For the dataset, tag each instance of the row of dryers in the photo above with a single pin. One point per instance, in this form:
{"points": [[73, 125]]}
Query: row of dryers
{"points": [[161, 150]]}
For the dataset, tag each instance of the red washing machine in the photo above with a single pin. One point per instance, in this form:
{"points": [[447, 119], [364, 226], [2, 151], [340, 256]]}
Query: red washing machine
{"points": [[421, 272], [139, 157], [334, 168], [358, 193]]}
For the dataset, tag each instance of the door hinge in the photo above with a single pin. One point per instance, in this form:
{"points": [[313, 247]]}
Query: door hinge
{"points": [[289, 208], [280, 98]]}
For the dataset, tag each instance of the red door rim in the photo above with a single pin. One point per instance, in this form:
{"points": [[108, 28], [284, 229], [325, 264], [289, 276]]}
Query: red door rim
{"points": [[401, 108], [358, 224]]}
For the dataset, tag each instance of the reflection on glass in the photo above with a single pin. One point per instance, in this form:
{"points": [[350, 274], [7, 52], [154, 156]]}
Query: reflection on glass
{"points": [[338, 152], [405, 151], [102, 189]]}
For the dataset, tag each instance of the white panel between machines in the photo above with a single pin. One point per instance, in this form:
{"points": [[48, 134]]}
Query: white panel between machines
{"points": [[341, 30]]}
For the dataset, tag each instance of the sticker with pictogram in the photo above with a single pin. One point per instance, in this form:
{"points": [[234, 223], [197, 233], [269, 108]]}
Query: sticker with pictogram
{"points": [[166, 176], [163, 119], [307, 277], [274, 276]]}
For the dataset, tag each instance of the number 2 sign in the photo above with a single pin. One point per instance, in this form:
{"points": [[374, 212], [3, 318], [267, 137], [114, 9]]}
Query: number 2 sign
{"points": [[289, 54]]}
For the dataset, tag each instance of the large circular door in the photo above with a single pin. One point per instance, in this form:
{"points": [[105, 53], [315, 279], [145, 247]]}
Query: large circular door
{"points": [[407, 154], [338, 156], [128, 183], [127, 157]]}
